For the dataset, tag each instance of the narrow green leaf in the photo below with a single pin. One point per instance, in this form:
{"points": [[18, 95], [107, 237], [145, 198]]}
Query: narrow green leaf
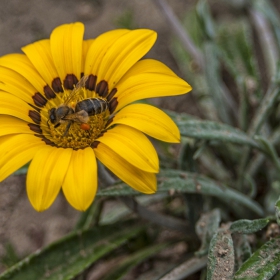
{"points": [[71, 255], [186, 182], [277, 210], [269, 149], [271, 14], [210, 130], [133, 260], [180, 117], [215, 167], [206, 226], [263, 264], [205, 19], [221, 256], [267, 103], [271, 197], [248, 226], [213, 78], [186, 159], [236, 47], [11, 257], [90, 216], [267, 40]]}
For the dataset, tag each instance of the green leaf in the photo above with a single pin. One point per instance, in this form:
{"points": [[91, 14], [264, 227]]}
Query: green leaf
{"points": [[270, 200], [248, 226], [180, 117], [277, 210], [271, 14], [206, 226], [236, 47], [71, 255], [187, 182], [266, 105], [205, 19], [221, 256], [186, 160], [215, 167], [126, 20], [210, 130], [265, 33], [270, 150], [133, 260], [263, 264], [91, 216], [10, 258], [221, 99]]}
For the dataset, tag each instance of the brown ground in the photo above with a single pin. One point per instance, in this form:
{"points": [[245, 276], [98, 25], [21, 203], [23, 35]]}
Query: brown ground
{"points": [[22, 22]]}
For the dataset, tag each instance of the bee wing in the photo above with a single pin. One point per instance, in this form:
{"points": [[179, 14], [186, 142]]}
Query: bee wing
{"points": [[78, 90]]}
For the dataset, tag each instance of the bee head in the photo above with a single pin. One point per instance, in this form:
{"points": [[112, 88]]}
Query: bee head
{"points": [[52, 115]]}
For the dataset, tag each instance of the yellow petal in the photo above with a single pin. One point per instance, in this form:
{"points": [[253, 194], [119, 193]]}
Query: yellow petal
{"points": [[86, 46], [67, 49], [80, 184], [17, 150], [133, 146], [39, 53], [139, 180], [45, 176], [124, 53], [5, 138], [148, 66], [98, 49], [12, 125], [13, 106], [22, 65], [136, 85], [14, 83], [149, 120]]}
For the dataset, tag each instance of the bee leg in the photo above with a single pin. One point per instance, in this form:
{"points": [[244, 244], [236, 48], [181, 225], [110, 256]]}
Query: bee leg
{"points": [[67, 129], [82, 116]]}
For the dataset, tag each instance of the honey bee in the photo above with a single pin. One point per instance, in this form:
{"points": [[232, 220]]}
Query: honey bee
{"points": [[66, 112]]}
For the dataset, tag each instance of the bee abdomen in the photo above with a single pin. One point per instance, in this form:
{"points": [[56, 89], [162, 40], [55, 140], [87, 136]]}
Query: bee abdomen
{"points": [[92, 106]]}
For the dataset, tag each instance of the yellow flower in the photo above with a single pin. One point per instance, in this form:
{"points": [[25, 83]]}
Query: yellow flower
{"points": [[67, 101]]}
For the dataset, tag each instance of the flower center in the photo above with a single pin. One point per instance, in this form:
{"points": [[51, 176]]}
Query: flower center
{"points": [[76, 118], [76, 135]]}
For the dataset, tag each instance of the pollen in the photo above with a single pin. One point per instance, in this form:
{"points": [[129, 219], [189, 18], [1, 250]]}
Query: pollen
{"points": [[77, 137]]}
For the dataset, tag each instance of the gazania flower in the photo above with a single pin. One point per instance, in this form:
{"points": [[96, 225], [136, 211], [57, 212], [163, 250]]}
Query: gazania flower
{"points": [[67, 101]]}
